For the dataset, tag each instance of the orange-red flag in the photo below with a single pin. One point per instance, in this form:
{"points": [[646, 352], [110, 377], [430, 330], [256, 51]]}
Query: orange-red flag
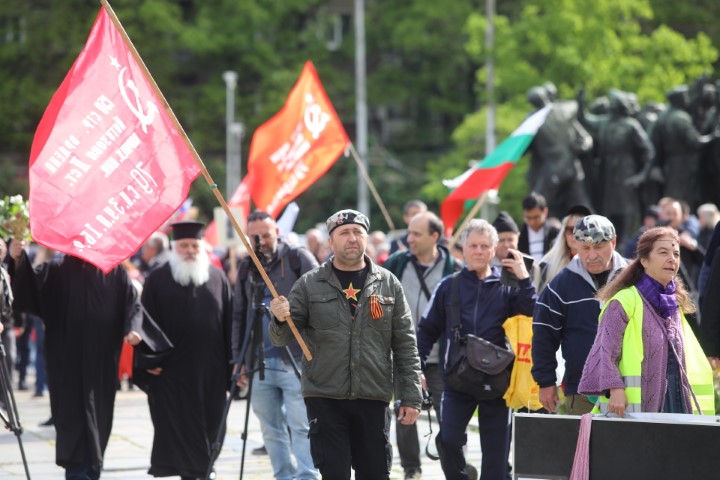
{"points": [[295, 147]]}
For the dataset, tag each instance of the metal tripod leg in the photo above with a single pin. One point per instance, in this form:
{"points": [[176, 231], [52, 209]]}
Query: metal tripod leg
{"points": [[10, 418]]}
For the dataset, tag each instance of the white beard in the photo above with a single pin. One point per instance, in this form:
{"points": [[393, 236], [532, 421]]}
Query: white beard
{"points": [[186, 272]]}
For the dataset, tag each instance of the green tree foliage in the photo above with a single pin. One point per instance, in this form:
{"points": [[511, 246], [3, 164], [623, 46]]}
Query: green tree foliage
{"points": [[573, 43], [423, 64], [688, 18]]}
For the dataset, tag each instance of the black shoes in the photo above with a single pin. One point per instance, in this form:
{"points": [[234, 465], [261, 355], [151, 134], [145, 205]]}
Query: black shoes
{"points": [[260, 451], [47, 423], [472, 472]]}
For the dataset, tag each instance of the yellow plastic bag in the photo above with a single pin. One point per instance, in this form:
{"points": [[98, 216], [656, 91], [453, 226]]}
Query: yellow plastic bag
{"points": [[523, 390]]}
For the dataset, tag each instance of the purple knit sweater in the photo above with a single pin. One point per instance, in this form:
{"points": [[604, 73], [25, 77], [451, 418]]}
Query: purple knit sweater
{"points": [[601, 371]]}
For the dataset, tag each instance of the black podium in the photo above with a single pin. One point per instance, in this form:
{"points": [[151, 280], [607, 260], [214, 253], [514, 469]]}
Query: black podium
{"points": [[645, 446]]}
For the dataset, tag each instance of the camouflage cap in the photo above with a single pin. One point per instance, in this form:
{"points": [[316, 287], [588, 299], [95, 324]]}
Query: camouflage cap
{"points": [[344, 217], [594, 229]]}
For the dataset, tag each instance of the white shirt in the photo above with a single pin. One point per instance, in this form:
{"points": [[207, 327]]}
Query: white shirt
{"points": [[536, 243]]}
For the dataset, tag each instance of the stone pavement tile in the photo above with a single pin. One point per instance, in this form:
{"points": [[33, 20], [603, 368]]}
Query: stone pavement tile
{"points": [[128, 453]]}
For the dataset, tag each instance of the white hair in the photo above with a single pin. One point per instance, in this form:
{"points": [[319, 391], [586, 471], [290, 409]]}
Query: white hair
{"points": [[195, 271], [483, 228]]}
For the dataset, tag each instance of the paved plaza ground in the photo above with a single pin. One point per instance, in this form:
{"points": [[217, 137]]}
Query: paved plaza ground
{"points": [[128, 453]]}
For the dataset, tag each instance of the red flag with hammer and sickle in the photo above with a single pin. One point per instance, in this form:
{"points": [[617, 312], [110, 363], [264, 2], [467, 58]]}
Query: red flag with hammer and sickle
{"points": [[107, 164], [295, 147]]}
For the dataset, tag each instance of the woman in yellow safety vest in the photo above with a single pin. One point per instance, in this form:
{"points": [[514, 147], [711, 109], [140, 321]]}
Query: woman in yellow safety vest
{"points": [[645, 357]]}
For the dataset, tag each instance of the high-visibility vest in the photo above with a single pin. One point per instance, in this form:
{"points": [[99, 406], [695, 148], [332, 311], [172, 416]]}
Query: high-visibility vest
{"points": [[697, 367]]}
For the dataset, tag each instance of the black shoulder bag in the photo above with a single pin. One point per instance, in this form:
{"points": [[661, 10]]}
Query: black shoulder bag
{"points": [[476, 367]]}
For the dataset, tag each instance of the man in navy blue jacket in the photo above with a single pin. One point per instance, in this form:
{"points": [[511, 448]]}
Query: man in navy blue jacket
{"points": [[484, 305], [567, 313]]}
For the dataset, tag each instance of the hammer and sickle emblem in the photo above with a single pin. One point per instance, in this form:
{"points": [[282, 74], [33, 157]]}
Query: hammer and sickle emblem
{"points": [[146, 117], [315, 119]]}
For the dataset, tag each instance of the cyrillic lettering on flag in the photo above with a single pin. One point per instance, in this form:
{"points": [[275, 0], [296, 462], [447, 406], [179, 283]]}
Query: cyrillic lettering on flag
{"points": [[296, 146], [107, 166]]}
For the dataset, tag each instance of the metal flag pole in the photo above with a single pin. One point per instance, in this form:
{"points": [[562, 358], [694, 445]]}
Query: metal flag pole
{"points": [[481, 201], [369, 182]]}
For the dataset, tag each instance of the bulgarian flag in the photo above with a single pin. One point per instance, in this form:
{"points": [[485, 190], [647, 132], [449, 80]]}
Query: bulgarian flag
{"points": [[491, 171]]}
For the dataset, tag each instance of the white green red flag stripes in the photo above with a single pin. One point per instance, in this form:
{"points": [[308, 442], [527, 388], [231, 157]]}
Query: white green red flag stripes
{"points": [[491, 171]]}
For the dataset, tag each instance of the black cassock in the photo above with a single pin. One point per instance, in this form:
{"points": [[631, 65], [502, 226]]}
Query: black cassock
{"points": [[86, 315], [187, 399]]}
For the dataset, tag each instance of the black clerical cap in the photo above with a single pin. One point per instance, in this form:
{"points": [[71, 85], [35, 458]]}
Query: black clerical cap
{"points": [[505, 223], [579, 210], [187, 230]]}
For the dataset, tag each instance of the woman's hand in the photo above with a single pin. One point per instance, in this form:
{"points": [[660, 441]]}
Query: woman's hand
{"points": [[618, 401]]}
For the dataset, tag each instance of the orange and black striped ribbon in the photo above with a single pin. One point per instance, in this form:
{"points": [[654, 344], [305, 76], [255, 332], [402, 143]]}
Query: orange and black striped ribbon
{"points": [[375, 307]]}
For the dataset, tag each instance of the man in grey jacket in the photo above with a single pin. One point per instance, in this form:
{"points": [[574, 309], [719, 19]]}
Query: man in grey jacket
{"points": [[420, 269], [358, 327]]}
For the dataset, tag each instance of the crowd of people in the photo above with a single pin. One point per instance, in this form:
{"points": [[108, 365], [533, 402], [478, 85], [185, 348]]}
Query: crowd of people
{"points": [[383, 318]]}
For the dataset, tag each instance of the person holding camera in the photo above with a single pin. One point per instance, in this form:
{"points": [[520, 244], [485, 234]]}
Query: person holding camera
{"points": [[358, 327], [276, 399], [476, 299], [420, 269]]}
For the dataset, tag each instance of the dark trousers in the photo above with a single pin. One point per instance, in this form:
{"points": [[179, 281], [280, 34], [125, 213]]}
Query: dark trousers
{"points": [[408, 441], [494, 423], [32, 324], [350, 433]]}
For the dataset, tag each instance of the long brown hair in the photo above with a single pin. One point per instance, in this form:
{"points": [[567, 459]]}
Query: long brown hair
{"points": [[630, 275]]}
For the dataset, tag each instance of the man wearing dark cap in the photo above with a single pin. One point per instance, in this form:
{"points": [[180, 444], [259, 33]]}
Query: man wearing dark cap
{"points": [[190, 300], [359, 329], [508, 235], [566, 314]]}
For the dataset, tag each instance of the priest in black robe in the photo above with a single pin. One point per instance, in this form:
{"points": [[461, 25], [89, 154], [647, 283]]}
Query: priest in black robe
{"points": [[190, 301], [87, 313]]}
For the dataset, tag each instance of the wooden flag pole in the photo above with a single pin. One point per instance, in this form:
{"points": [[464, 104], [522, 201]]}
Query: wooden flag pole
{"points": [[370, 183], [471, 214], [205, 172]]}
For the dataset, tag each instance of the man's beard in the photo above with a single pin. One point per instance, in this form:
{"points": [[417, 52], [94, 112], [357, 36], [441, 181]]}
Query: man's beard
{"points": [[186, 272]]}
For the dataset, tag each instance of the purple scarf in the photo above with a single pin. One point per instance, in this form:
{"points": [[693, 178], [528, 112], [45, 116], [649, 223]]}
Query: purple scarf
{"points": [[663, 299]]}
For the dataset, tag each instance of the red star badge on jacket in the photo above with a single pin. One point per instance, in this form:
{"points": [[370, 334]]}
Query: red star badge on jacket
{"points": [[351, 292]]}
